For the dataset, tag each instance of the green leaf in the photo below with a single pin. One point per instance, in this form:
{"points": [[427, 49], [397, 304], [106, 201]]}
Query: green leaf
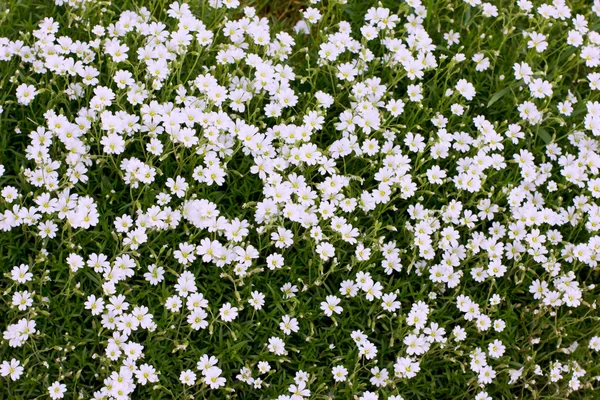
{"points": [[498, 95], [546, 137]]}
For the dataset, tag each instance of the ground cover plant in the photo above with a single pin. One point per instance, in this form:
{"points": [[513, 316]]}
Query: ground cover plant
{"points": [[299, 199]]}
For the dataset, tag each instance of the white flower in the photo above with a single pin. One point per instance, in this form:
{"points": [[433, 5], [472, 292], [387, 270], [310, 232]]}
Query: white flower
{"points": [[537, 41], [57, 390], [276, 346], [496, 349], [288, 324], [466, 89], [312, 15], [96, 305], [228, 313], [594, 343], [188, 377], [26, 93], [330, 306], [213, 378], [12, 369]]}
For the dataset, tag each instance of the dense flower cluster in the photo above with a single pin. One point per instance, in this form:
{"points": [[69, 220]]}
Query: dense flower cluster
{"points": [[341, 209]]}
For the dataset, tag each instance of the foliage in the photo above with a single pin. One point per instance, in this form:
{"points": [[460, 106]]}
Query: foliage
{"points": [[411, 190]]}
